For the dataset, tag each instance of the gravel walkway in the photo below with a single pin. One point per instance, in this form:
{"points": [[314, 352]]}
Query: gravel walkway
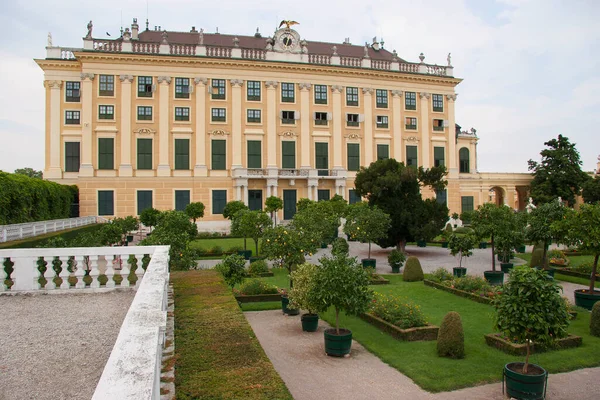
{"points": [[55, 346], [309, 374]]}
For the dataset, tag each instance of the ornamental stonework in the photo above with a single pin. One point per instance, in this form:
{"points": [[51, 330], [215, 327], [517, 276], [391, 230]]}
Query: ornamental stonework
{"points": [[218, 132], [200, 81], [126, 78], [164, 79], [288, 134], [144, 131], [87, 75]]}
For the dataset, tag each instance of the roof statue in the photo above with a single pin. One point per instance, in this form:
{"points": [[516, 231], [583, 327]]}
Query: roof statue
{"points": [[89, 28], [449, 60], [288, 23], [49, 39]]}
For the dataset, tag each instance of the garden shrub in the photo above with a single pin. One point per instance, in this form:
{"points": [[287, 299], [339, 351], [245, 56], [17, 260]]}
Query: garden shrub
{"points": [[463, 230], [217, 250], [470, 284], [585, 268], [451, 337], [232, 269], [537, 258], [440, 275], [258, 267], [397, 311], [412, 270], [595, 320], [254, 287], [555, 253], [340, 246]]}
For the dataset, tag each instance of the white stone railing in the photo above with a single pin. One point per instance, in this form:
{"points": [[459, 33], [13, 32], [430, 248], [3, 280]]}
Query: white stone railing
{"points": [[254, 54], [350, 61], [319, 59], [183, 49], [31, 229], [147, 48]]}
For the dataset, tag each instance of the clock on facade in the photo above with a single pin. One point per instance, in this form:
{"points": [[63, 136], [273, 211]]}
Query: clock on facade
{"points": [[287, 40]]}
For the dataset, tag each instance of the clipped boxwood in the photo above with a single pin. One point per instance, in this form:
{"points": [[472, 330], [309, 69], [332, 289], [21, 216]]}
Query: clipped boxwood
{"points": [[451, 337], [258, 267], [595, 320], [412, 270]]}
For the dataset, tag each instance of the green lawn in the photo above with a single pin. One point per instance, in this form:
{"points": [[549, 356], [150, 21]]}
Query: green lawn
{"points": [[574, 261], [224, 243]]}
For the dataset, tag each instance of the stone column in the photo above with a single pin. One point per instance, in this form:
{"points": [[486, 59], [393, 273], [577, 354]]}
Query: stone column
{"points": [[272, 123], [236, 122], [425, 129], [238, 192], [337, 143], [53, 169], [305, 125], [368, 125], [87, 90], [125, 168], [452, 153], [397, 124], [200, 168], [164, 169]]}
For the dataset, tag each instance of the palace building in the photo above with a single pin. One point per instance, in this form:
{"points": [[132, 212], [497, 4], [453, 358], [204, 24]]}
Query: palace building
{"points": [[159, 118]]}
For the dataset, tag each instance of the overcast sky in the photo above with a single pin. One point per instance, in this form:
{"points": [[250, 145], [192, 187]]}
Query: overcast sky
{"points": [[531, 68]]}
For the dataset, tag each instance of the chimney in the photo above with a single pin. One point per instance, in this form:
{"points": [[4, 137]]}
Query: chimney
{"points": [[193, 29], [375, 44], [135, 30]]}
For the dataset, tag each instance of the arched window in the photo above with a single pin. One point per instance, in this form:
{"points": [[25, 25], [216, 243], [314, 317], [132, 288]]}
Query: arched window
{"points": [[463, 156]]}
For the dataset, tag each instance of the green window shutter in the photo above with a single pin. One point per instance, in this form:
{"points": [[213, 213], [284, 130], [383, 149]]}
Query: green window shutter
{"points": [[353, 156], [144, 200], [255, 200], [383, 152], [323, 194], [254, 154], [463, 156], [106, 204], [219, 199], [438, 157], [466, 203], [106, 153], [288, 154], [441, 196], [411, 156], [182, 153], [72, 152], [182, 199], [322, 155], [144, 154], [218, 154], [354, 198]]}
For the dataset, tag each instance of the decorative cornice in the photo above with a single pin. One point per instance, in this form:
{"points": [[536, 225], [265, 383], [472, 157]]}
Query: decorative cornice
{"points": [[451, 97], [126, 78], [412, 139], [236, 82], [271, 84], [397, 93], [352, 136], [288, 134], [337, 89], [200, 81], [218, 132], [424, 95], [304, 86], [87, 75], [164, 79], [53, 84], [144, 131], [367, 90]]}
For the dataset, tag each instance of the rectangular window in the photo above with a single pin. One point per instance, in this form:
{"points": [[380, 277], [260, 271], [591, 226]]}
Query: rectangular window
{"points": [[320, 94], [144, 86], [72, 117], [411, 156], [288, 117], [144, 113], [255, 200], [437, 100], [353, 156], [383, 152], [144, 154], [321, 118], [351, 119], [106, 112], [72, 92], [218, 155], [323, 195], [182, 199], [287, 92], [106, 85], [322, 158], [438, 157], [254, 154], [382, 122], [352, 96], [219, 199], [381, 98], [144, 200], [253, 91], [466, 203], [441, 196], [182, 153], [218, 114], [106, 153], [438, 125], [353, 198], [410, 100], [182, 88], [253, 116], [411, 123], [72, 151], [218, 89], [182, 113], [288, 154], [106, 202]]}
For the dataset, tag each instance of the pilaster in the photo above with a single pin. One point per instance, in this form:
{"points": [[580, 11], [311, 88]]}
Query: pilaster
{"points": [[425, 129], [271, 123], [236, 122], [125, 168], [337, 143], [452, 152], [164, 169], [397, 125], [305, 125], [200, 169], [86, 168], [368, 124], [54, 170]]}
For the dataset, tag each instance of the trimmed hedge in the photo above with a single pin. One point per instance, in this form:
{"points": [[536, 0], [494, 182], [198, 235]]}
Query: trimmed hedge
{"points": [[451, 337], [595, 320], [412, 270], [424, 333], [24, 199], [461, 293], [496, 340]]}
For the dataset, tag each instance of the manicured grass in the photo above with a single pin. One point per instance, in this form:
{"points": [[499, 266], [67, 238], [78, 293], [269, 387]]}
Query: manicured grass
{"points": [[261, 306], [217, 354], [224, 243], [37, 241], [574, 279], [574, 261]]}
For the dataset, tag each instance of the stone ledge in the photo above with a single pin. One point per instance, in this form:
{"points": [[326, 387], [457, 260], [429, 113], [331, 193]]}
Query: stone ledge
{"points": [[429, 332], [495, 340]]}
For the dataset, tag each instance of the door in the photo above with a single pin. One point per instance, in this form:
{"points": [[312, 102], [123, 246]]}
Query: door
{"points": [[255, 200], [289, 204]]}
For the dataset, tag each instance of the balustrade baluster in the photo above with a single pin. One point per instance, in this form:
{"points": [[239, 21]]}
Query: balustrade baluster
{"points": [[139, 271], [125, 270], [94, 271], [80, 272], [49, 274], [3, 274], [64, 272], [109, 272]]}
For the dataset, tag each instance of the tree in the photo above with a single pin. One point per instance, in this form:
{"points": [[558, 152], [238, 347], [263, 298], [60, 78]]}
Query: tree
{"points": [[319, 218], [30, 172], [511, 236], [232, 268], [149, 217], [303, 203], [559, 173], [195, 210], [251, 224], [304, 282], [232, 207], [540, 227], [366, 223], [272, 205], [591, 190], [490, 220], [395, 189], [462, 245]]}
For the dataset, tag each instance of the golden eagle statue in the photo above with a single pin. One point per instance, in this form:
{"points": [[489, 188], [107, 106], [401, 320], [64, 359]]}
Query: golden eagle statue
{"points": [[288, 23]]}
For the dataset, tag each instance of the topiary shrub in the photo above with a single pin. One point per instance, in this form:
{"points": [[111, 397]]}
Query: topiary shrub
{"points": [[463, 230], [537, 258], [258, 267], [412, 270], [595, 320], [451, 337], [340, 246]]}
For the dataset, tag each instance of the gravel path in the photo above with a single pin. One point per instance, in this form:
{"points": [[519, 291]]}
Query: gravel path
{"points": [[309, 374], [55, 346]]}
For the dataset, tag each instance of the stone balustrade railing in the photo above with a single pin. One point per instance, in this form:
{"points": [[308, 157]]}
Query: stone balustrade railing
{"points": [[31, 229], [254, 54], [146, 48], [183, 49]]}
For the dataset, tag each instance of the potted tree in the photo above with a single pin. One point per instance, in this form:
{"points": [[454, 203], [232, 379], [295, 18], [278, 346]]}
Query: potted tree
{"points": [[582, 228], [300, 295], [320, 219], [542, 228], [229, 211], [509, 238], [367, 224], [342, 284], [251, 224], [461, 245], [272, 205], [446, 235], [527, 297], [396, 258]]}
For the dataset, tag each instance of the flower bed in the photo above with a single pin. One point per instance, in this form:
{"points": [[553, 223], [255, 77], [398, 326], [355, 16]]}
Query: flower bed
{"points": [[378, 280], [470, 287], [500, 342], [461, 293], [574, 272], [428, 332], [254, 290]]}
